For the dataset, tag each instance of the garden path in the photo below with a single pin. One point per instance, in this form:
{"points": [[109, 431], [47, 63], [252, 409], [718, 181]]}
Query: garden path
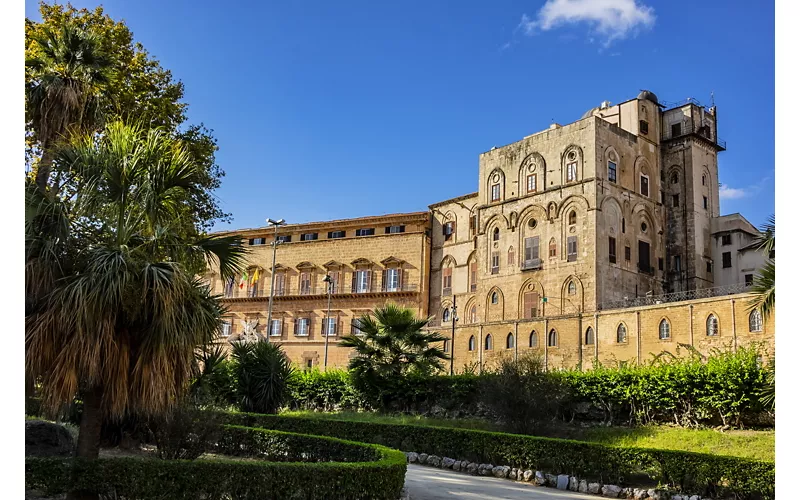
{"points": [[428, 483]]}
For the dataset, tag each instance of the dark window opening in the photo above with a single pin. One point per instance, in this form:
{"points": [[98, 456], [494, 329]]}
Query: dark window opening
{"points": [[395, 229], [676, 129], [336, 234], [726, 260], [308, 236], [612, 250], [285, 238], [627, 253], [643, 127], [644, 256], [675, 200], [660, 263], [365, 232], [726, 239], [708, 266], [705, 202], [748, 279]]}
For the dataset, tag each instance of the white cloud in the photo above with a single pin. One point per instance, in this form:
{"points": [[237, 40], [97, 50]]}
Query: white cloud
{"points": [[728, 193], [610, 19]]}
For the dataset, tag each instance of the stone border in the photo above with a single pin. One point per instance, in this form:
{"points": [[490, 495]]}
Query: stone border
{"points": [[540, 478]]}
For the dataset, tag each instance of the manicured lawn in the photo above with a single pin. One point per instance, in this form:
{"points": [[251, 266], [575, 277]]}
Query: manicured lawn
{"points": [[747, 444]]}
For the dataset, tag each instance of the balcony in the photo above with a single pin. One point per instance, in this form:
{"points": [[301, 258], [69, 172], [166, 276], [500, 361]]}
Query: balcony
{"points": [[532, 264], [683, 129], [311, 292]]}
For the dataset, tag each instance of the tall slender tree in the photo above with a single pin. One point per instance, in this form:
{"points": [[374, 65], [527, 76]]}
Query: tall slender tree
{"points": [[123, 312]]}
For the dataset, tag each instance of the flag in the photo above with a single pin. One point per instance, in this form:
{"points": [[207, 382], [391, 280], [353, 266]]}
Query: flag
{"points": [[243, 280], [255, 278]]}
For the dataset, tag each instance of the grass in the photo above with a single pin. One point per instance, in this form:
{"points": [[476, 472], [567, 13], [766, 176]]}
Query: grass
{"points": [[739, 443]]}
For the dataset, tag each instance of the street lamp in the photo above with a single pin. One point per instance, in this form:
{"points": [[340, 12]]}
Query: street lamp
{"points": [[329, 282], [275, 242], [453, 334]]}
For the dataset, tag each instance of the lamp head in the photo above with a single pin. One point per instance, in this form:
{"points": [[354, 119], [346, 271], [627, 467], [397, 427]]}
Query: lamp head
{"points": [[275, 222]]}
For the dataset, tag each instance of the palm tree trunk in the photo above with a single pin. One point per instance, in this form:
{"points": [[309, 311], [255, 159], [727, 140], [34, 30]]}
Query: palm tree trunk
{"points": [[89, 435], [44, 168]]}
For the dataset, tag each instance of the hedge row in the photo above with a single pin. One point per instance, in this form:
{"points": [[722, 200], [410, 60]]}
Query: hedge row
{"points": [[298, 468], [692, 472]]}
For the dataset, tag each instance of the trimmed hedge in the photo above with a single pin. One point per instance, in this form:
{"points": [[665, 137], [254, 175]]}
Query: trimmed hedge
{"points": [[298, 468], [693, 472]]}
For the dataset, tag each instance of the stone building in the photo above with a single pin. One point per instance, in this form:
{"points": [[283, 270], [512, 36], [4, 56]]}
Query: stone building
{"points": [[736, 250], [587, 241]]}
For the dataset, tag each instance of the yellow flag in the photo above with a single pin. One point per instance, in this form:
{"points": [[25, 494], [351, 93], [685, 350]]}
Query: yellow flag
{"points": [[255, 277]]}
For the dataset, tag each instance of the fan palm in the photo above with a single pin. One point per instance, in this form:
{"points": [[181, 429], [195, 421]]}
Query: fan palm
{"points": [[115, 311], [392, 343], [764, 300], [62, 96], [262, 374]]}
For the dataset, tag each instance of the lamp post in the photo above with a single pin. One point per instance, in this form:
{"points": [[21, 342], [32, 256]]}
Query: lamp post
{"points": [[453, 334], [274, 223], [329, 282]]}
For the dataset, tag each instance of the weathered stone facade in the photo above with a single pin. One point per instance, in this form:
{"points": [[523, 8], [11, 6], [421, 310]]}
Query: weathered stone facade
{"points": [[566, 225]]}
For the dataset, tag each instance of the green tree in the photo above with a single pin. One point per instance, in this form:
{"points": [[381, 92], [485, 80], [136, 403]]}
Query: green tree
{"points": [[123, 312], [65, 71], [392, 344], [764, 300], [262, 375]]}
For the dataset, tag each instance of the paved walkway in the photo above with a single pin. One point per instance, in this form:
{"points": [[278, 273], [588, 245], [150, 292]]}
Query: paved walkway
{"points": [[428, 483]]}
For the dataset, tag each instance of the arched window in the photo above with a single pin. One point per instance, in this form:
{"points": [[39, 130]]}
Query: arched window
{"points": [[487, 344], [704, 179], [446, 346], [552, 251], [511, 257], [756, 321], [622, 333], [573, 218], [589, 339], [510, 341], [571, 288], [495, 298], [496, 234], [533, 340], [446, 315], [552, 338], [663, 330], [472, 343], [674, 178], [473, 314], [623, 226], [712, 326]]}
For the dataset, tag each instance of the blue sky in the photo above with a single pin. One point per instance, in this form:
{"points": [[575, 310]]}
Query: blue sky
{"points": [[343, 109]]}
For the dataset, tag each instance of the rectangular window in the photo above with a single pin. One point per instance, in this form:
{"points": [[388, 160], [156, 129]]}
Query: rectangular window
{"points": [[530, 304], [644, 185], [285, 238], [447, 281], [495, 192], [257, 241], [305, 283], [275, 328], [280, 284], [309, 363], [392, 283], [532, 183], [572, 172], [660, 263], [643, 127], [472, 223], [301, 327], [448, 229], [572, 248], [644, 256], [362, 280], [677, 263], [705, 202], [365, 232], [675, 200], [473, 276], [726, 260], [329, 326], [495, 263], [395, 229], [726, 239], [612, 250], [612, 171], [708, 266], [309, 236], [336, 234], [676, 129], [531, 250], [227, 326], [748, 279], [628, 253], [511, 257]]}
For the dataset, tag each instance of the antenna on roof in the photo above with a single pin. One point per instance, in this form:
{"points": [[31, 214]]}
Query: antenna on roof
{"points": [[712, 98]]}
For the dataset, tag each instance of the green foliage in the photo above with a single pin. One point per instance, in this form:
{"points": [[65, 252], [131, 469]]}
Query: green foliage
{"points": [[262, 373], [214, 382], [184, 433], [692, 472], [391, 344], [330, 390], [521, 393], [310, 467]]}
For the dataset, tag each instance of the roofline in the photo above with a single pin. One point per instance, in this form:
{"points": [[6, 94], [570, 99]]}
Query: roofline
{"points": [[366, 219], [452, 200], [756, 232]]}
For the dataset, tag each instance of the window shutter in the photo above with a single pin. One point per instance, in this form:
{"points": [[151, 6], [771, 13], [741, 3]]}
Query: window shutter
{"points": [[355, 281], [400, 278], [384, 277], [369, 280]]}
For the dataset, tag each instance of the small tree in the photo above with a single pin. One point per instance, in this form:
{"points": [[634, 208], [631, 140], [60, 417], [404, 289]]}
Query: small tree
{"points": [[262, 372], [392, 344]]}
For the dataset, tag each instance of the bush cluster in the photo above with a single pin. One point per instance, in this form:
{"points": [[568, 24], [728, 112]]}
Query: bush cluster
{"points": [[693, 472], [310, 467]]}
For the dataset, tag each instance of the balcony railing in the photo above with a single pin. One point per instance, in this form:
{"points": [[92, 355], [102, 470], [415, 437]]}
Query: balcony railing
{"points": [[532, 264], [703, 293], [687, 128], [300, 291]]}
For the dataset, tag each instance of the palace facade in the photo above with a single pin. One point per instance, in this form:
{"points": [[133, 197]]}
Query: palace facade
{"points": [[587, 242]]}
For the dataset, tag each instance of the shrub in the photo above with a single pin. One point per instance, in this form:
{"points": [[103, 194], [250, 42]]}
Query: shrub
{"points": [[370, 472], [692, 472], [185, 433], [262, 373], [214, 381], [331, 390]]}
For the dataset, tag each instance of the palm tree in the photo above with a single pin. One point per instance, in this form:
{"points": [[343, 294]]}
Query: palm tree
{"points": [[116, 311], [62, 96], [391, 344], [764, 300]]}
